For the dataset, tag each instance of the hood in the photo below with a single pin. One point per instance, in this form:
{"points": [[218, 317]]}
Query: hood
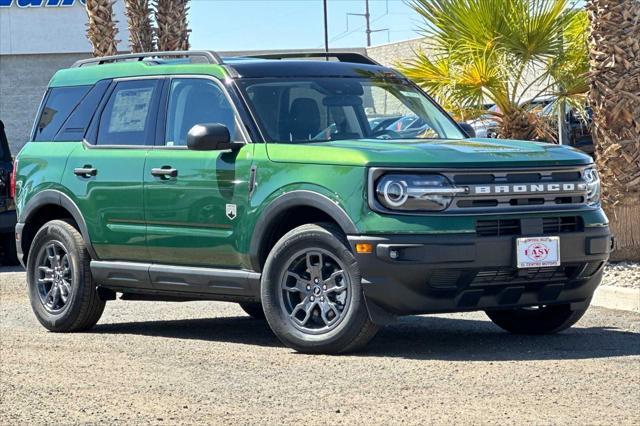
{"points": [[473, 152]]}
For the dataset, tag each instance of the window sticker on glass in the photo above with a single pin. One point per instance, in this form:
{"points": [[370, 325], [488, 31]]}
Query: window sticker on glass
{"points": [[130, 109]]}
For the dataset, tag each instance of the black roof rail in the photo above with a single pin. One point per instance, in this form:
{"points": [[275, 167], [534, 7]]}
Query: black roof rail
{"points": [[209, 56], [353, 57]]}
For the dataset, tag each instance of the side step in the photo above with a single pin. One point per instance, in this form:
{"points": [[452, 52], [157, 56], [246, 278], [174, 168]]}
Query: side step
{"points": [[164, 282]]}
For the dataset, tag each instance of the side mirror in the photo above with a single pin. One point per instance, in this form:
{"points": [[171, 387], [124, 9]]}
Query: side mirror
{"points": [[209, 137], [466, 127]]}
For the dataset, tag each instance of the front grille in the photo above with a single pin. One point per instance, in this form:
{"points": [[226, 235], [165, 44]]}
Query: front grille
{"points": [[506, 276], [516, 176], [497, 191], [560, 225], [455, 280], [498, 228], [544, 226], [518, 190]]}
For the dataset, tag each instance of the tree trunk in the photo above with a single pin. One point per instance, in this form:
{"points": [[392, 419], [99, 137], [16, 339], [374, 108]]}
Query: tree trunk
{"points": [[171, 20], [525, 125], [101, 28], [140, 29], [625, 225], [614, 94]]}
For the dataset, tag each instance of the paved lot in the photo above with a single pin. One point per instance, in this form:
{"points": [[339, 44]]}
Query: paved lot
{"points": [[208, 363]]}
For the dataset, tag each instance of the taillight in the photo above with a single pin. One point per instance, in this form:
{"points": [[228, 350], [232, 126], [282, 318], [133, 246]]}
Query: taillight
{"points": [[12, 180]]}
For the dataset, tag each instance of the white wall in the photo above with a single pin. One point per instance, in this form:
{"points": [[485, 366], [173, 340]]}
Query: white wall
{"points": [[49, 29]]}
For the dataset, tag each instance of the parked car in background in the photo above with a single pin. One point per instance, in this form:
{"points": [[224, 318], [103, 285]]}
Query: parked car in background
{"points": [[7, 208], [485, 126], [382, 122], [538, 104], [578, 122]]}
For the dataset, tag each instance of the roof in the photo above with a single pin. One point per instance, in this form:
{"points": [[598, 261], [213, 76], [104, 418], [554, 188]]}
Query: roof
{"points": [[270, 68], [343, 64], [91, 75]]}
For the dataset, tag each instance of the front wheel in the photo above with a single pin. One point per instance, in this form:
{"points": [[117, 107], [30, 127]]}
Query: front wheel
{"points": [[537, 320], [253, 309], [311, 292], [62, 292]]}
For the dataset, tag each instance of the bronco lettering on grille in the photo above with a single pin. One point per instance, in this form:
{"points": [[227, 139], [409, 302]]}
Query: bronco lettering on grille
{"points": [[527, 188]]}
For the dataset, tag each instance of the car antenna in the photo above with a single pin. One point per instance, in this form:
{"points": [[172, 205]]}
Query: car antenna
{"points": [[326, 31]]}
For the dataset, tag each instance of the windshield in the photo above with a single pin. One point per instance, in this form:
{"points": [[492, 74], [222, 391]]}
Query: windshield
{"points": [[338, 108]]}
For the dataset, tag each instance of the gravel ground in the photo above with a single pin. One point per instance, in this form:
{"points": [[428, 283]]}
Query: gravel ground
{"points": [[206, 362], [622, 274]]}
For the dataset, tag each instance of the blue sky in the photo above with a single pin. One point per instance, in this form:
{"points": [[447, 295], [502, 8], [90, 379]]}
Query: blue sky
{"points": [[279, 24]]}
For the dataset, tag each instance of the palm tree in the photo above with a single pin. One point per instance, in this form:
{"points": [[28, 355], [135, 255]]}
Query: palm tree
{"points": [[101, 28], [614, 95], [141, 36], [171, 20], [501, 52]]}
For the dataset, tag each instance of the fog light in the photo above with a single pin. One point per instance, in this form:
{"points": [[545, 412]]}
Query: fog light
{"points": [[394, 254], [364, 248]]}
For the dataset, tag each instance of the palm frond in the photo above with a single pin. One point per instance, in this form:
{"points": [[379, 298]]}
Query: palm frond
{"points": [[499, 51]]}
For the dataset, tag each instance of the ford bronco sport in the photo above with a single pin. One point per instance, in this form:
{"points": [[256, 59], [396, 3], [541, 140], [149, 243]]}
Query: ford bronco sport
{"points": [[328, 196]]}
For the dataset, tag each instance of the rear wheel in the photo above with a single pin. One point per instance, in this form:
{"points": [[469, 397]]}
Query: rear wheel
{"points": [[254, 310], [311, 292], [537, 320], [61, 288]]}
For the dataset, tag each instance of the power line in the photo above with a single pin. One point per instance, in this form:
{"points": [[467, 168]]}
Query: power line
{"points": [[347, 32]]}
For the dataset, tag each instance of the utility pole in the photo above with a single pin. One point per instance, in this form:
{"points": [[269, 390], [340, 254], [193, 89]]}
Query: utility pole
{"points": [[367, 17]]}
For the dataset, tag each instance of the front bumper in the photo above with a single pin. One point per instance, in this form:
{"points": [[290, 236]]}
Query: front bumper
{"points": [[464, 272]]}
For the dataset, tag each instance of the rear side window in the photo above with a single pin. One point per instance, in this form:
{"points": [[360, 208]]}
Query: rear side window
{"points": [[57, 108], [76, 126], [128, 117]]}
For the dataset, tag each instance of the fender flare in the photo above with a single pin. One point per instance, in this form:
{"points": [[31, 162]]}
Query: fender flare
{"points": [[55, 197], [297, 198]]}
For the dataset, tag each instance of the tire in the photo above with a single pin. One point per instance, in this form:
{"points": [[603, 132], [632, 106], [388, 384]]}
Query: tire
{"points": [[324, 316], [543, 320], [58, 258], [254, 310]]}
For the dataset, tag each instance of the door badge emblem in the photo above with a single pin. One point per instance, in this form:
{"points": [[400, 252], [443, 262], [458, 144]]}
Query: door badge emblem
{"points": [[231, 211]]}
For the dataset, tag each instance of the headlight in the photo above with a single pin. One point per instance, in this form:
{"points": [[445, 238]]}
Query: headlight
{"points": [[424, 192], [593, 186]]}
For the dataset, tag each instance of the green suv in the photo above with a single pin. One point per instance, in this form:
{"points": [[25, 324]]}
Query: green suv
{"points": [[327, 194]]}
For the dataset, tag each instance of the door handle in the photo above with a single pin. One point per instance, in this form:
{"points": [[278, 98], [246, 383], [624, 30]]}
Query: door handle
{"points": [[164, 172], [86, 171]]}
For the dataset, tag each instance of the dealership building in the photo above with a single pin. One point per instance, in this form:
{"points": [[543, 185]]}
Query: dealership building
{"points": [[37, 38]]}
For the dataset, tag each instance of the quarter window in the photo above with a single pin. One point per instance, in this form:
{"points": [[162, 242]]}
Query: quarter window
{"points": [[76, 125], [57, 108], [127, 119], [196, 101]]}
